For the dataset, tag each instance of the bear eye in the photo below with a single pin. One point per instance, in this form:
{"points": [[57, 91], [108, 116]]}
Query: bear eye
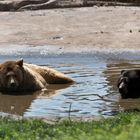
{"points": [[126, 80], [9, 69]]}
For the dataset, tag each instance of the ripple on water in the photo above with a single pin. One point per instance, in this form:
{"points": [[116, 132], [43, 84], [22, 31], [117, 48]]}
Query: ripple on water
{"points": [[94, 92]]}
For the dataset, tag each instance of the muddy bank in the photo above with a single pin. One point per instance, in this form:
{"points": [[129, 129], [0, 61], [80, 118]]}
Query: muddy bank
{"points": [[18, 5], [94, 27]]}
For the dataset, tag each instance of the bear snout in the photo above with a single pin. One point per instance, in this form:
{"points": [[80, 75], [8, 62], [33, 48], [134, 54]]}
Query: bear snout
{"points": [[123, 89], [12, 84]]}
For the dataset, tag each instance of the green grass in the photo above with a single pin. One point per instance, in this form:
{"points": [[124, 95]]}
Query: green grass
{"points": [[125, 126]]}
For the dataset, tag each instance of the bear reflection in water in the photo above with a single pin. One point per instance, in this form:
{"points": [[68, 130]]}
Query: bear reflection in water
{"points": [[129, 83], [19, 104], [16, 76]]}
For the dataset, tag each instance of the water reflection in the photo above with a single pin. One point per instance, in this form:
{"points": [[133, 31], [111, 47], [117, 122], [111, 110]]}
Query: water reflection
{"points": [[18, 103], [94, 93]]}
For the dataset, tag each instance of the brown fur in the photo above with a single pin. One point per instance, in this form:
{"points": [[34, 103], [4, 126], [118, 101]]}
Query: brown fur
{"points": [[19, 76]]}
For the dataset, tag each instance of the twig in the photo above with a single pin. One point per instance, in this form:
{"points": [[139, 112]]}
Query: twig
{"points": [[69, 112]]}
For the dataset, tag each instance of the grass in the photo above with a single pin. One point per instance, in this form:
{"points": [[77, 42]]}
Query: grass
{"points": [[125, 126]]}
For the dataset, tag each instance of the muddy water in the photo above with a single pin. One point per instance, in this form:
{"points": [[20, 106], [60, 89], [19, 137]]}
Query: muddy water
{"points": [[94, 93]]}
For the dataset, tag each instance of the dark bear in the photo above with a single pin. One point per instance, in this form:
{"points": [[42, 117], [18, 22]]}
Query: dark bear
{"points": [[19, 76], [129, 83]]}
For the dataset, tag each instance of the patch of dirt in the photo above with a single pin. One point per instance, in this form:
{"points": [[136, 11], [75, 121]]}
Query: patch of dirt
{"points": [[102, 27]]}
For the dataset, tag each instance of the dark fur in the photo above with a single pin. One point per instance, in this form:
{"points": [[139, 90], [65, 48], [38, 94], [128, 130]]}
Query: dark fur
{"points": [[129, 83]]}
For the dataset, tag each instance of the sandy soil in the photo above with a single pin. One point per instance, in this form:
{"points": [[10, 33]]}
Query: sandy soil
{"points": [[103, 27]]}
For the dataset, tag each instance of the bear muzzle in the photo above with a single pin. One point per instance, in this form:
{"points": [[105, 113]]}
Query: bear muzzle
{"points": [[123, 89], [12, 84]]}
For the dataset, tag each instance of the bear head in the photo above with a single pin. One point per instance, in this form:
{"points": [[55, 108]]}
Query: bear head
{"points": [[129, 83], [11, 75]]}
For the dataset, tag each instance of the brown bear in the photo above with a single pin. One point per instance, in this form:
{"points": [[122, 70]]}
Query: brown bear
{"points": [[18, 76]]}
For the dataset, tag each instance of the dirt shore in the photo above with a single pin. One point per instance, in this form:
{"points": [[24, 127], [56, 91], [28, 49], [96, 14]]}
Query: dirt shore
{"points": [[20, 5], [100, 27]]}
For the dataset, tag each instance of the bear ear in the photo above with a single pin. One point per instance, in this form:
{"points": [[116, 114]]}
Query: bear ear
{"points": [[20, 62], [122, 71]]}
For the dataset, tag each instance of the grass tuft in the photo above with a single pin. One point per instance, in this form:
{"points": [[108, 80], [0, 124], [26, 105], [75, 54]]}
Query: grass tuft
{"points": [[121, 127]]}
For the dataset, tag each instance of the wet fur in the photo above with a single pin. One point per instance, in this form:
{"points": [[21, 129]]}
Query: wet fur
{"points": [[129, 83], [31, 77]]}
